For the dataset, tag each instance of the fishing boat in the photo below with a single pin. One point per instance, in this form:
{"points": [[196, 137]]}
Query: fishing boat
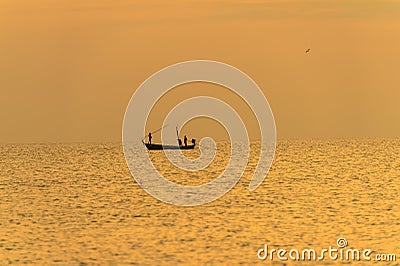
{"points": [[180, 146], [169, 147]]}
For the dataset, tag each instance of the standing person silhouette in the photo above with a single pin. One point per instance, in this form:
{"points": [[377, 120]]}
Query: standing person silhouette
{"points": [[150, 137], [185, 140]]}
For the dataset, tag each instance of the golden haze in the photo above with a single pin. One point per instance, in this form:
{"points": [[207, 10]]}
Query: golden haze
{"points": [[68, 68]]}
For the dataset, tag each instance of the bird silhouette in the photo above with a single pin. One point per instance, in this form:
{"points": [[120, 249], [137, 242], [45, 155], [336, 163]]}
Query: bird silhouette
{"points": [[308, 50]]}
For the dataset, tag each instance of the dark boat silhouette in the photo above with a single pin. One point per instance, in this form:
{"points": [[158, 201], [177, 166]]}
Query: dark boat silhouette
{"points": [[169, 147], [151, 146]]}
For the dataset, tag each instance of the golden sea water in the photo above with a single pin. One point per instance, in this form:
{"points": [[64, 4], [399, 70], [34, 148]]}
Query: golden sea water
{"points": [[77, 204]]}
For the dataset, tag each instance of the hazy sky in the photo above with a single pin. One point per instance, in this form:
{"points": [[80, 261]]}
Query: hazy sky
{"points": [[69, 68]]}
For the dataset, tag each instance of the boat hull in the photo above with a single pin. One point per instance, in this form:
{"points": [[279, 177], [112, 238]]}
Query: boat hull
{"points": [[168, 147]]}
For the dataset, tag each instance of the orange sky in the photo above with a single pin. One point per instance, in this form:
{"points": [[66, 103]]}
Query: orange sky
{"points": [[69, 68]]}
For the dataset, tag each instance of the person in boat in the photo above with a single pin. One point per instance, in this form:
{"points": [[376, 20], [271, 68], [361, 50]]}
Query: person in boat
{"points": [[180, 142], [185, 140], [150, 137]]}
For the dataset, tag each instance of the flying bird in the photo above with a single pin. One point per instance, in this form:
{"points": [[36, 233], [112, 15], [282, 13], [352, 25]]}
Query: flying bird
{"points": [[308, 50]]}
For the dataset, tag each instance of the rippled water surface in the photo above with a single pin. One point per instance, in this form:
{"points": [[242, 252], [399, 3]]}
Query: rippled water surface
{"points": [[77, 204]]}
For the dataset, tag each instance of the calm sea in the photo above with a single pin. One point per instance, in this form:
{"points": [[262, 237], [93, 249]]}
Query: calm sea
{"points": [[77, 204]]}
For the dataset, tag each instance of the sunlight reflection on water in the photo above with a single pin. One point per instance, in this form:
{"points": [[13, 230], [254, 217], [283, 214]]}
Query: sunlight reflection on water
{"points": [[77, 204]]}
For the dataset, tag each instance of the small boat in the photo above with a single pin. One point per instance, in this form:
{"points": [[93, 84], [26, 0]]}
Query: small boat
{"points": [[151, 146], [168, 147]]}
